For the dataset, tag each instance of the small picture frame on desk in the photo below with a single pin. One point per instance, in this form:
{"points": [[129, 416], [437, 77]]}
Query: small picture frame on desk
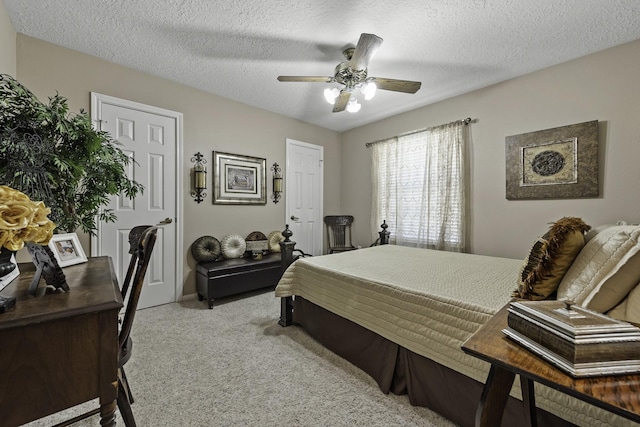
{"points": [[67, 249], [8, 278]]}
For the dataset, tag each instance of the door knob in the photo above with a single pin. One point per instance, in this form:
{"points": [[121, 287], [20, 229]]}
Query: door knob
{"points": [[166, 221], [294, 218]]}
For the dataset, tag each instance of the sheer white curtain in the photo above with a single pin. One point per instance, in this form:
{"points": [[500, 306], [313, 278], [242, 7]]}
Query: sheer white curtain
{"points": [[418, 188]]}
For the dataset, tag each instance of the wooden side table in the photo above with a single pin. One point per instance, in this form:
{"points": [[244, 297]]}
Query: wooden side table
{"points": [[618, 394]]}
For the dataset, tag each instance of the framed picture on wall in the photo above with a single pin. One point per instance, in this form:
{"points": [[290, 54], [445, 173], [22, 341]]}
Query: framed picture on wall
{"points": [[557, 163], [67, 250], [238, 179]]}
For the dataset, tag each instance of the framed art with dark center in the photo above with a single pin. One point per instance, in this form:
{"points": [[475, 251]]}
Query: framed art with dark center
{"points": [[556, 163]]}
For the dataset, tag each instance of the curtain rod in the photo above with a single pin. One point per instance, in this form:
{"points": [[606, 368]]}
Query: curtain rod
{"points": [[466, 121]]}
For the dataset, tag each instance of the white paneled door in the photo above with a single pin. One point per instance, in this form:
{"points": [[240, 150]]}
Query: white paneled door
{"points": [[150, 136], [304, 195]]}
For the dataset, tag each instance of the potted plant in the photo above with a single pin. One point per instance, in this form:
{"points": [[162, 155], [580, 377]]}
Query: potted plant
{"points": [[57, 157]]}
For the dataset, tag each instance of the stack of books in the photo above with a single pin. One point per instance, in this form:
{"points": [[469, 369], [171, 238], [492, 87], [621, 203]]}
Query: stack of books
{"points": [[579, 341]]}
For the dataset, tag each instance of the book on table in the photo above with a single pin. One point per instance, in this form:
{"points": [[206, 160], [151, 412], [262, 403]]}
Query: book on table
{"points": [[579, 341]]}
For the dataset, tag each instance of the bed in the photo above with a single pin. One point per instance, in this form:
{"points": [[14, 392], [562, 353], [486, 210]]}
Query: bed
{"points": [[401, 314]]}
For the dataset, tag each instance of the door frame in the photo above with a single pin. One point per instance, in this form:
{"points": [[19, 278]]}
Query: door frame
{"points": [[97, 99], [288, 185]]}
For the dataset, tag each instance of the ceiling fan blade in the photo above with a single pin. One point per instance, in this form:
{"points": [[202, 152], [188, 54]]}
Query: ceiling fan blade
{"points": [[319, 79], [396, 85], [341, 101], [367, 47]]}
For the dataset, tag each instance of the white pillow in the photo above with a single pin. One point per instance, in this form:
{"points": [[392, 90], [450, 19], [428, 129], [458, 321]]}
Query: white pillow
{"points": [[629, 309], [605, 270], [233, 246], [595, 230]]}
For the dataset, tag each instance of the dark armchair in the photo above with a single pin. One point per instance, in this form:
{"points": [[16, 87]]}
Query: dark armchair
{"points": [[339, 233]]}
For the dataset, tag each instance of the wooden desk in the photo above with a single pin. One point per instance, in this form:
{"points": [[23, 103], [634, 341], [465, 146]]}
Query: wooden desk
{"points": [[60, 349], [618, 394]]}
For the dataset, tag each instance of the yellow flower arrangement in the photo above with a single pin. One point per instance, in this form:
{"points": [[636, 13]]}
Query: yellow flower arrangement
{"points": [[22, 221]]}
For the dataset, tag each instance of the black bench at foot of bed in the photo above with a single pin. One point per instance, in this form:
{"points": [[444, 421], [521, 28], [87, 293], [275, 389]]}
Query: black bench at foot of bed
{"points": [[234, 276]]}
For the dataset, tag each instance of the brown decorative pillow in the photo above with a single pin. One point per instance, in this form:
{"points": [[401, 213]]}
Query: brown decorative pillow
{"points": [[206, 249], [550, 258]]}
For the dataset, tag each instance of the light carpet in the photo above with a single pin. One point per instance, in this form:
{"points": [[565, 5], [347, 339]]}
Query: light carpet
{"points": [[235, 366]]}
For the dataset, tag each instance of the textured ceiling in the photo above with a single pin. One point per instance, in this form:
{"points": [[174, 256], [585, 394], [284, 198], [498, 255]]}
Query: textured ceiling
{"points": [[236, 49]]}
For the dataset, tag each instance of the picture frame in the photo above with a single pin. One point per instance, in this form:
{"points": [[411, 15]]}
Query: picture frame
{"points": [[8, 278], [557, 163], [67, 249], [239, 179]]}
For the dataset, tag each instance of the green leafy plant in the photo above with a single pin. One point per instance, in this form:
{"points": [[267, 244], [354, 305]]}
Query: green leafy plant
{"points": [[56, 156]]}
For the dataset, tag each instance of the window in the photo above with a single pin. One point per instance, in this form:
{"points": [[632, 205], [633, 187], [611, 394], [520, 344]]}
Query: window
{"points": [[418, 187]]}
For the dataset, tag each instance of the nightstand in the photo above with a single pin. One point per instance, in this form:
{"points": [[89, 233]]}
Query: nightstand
{"points": [[618, 394]]}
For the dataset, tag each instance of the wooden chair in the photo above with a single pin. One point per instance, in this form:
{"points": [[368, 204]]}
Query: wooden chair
{"points": [[339, 233], [135, 237], [141, 241]]}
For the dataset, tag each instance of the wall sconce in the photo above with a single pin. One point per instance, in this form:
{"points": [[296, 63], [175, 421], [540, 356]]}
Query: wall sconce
{"points": [[198, 177], [277, 183]]}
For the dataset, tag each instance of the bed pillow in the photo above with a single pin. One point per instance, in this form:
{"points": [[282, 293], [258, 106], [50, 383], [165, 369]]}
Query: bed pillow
{"points": [[605, 270], [599, 228], [549, 258], [629, 308], [595, 230]]}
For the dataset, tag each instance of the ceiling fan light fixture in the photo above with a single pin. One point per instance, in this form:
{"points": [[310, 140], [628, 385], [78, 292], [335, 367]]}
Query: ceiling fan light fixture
{"points": [[369, 90], [331, 94], [353, 106], [352, 77]]}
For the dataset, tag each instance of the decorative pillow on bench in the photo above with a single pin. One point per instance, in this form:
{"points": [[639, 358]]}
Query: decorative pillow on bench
{"points": [[550, 258], [206, 249], [233, 246]]}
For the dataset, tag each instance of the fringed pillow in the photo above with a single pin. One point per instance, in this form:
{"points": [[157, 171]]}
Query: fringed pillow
{"points": [[550, 258]]}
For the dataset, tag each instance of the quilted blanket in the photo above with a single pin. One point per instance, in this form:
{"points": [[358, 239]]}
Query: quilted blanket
{"points": [[413, 297], [427, 301]]}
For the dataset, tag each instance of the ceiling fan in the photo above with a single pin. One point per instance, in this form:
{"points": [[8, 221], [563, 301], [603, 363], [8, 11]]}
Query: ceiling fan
{"points": [[352, 73]]}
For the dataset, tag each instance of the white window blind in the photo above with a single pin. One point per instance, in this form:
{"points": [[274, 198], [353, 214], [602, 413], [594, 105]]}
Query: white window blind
{"points": [[418, 188]]}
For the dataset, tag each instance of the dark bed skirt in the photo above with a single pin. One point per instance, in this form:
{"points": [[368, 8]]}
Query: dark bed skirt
{"points": [[401, 371]]}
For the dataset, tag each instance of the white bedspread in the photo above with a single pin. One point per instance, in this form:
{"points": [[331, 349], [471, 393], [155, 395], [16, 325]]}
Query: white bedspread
{"points": [[427, 301], [423, 297]]}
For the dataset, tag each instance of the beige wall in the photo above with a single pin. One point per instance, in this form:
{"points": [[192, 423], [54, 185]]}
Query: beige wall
{"points": [[603, 86], [7, 43], [210, 123]]}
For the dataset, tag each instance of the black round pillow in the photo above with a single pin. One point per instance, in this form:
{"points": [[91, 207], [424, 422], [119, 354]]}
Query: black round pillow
{"points": [[206, 249]]}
